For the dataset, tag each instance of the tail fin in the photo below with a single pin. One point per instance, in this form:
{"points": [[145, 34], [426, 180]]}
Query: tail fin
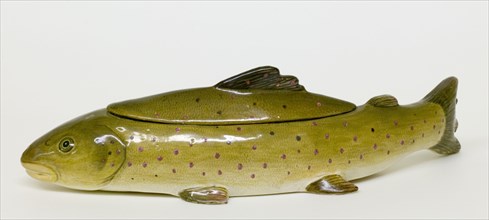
{"points": [[445, 94]]}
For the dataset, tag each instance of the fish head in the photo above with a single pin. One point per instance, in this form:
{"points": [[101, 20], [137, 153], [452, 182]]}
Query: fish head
{"points": [[81, 154]]}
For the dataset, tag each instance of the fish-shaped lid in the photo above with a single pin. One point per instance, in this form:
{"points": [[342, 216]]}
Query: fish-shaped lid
{"points": [[260, 95]]}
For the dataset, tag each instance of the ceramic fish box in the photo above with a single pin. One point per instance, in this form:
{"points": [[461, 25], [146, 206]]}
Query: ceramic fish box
{"points": [[255, 133]]}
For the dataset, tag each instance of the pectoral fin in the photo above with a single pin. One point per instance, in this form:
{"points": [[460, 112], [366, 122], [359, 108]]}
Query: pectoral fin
{"points": [[205, 195], [331, 184]]}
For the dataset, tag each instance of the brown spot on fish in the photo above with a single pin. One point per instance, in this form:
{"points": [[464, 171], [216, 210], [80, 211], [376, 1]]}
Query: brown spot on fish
{"points": [[299, 151], [177, 129], [238, 128], [240, 166], [375, 146], [361, 156], [342, 150], [253, 147], [402, 142], [272, 133], [129, 164], [316, 152], [111, 142], [252, 176], [118, 152], [298, 138], [191, 164], [197, 100], [112, 164], [318, 104], [219, 172], [283, 156], [265, 165], [372, 130], [288, 172], [254, 103], [176, 152], [228, 142], [326, 136], [284, 106], [145, 164], [355, 138], [349, 161], [388, 136], [330, 161], [203, 173], [388, 152], [345, 124], [309, 167], [174, 170], [395, 123], [314, 123], [424, 121], [153, 139], [156, 175], [160, 158], [217, 155], [109, 153], [412, 128], [434, 126], [219, 112], [140, 149], [131, 137]]}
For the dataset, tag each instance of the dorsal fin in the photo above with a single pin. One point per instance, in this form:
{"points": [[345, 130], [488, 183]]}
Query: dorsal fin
{"points": [[265, 77], [383, 101]]}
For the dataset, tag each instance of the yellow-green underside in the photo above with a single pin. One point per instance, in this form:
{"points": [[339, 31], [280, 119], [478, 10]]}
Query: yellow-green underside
{"points": [[316, 154]]}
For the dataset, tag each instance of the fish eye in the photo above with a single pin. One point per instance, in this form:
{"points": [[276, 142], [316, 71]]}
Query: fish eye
{"points": [[66, 145]]}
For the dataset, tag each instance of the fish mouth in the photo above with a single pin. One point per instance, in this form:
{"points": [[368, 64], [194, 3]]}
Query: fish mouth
{"points": [[40, 172]]}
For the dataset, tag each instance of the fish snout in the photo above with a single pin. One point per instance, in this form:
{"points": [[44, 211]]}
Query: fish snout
{"points": [[34, 168], [40, 172]]}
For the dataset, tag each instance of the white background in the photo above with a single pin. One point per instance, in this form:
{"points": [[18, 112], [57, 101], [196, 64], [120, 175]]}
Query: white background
{"points": [[63, 59]]}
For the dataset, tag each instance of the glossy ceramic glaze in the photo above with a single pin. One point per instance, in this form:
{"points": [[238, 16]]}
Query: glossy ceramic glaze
{"points": [[253, 134]]}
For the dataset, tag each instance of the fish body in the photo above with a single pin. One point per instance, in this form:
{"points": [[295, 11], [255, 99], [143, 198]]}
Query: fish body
{"points": [[254, 141]]}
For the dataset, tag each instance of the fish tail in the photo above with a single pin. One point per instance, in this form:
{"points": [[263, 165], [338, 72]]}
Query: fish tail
{"points": [[445, 95]]}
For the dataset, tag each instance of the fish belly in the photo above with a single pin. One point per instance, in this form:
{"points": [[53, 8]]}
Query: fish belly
{"points": [[272, 158]]}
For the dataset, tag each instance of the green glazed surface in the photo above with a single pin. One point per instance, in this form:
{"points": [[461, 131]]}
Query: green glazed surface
{"points": [[207, 144]]}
